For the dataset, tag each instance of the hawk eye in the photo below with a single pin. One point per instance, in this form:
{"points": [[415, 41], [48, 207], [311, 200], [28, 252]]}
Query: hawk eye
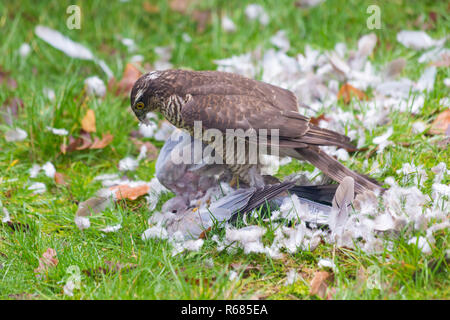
{"points": [[140, 105]]}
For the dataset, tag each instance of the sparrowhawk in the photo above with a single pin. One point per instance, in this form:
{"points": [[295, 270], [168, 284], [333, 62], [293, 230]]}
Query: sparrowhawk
{"points": [[222, 101]]}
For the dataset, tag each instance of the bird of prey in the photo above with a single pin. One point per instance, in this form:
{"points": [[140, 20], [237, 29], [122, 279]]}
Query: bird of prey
{"points": [[224, 101]]}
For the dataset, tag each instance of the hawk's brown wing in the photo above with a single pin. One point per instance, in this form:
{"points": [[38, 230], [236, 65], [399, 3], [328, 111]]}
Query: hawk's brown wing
{"points": [[235, 111], [224, 83]]}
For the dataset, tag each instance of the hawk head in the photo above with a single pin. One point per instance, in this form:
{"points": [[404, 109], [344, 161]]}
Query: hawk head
{"points": [[144, 96]]}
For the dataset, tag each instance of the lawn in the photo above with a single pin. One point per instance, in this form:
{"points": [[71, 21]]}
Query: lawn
{"points": [[120, 265]]}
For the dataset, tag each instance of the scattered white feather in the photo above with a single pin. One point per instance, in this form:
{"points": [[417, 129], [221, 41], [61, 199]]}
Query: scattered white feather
{"points": [[82, 222], [383, 140], [15, 135], [129, 43], [417, 40], [34, 170], [148, 130], [58, 132], [49, 94], [138, 58], [427, 79], [95, 86], [64, 44], [6, 216], [291, 277], [24, 50], [155, 232], [228, 24], [249, 238], [447, 82], [68, 288], [233, 275], [326, 263], [37, 188], [419, 127], [186, 37], [109, 229], [189, 245], [128, 164], [69, 47], [49, 169], [421, 243], [281, 41], [257, 12]]}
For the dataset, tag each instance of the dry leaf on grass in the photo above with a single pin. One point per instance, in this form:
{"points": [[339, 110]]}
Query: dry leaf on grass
{"points": [[319, 283], [60, 179], [129, 77], [322, 117], [149, 7], [125, 191], [347, 91], [441, 124], [48, 260], [100, 144], [88, 122], [85, 142]]}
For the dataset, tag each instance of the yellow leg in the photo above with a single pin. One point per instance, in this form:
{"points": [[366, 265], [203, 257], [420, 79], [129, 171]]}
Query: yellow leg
{"points": [[234, 181]]}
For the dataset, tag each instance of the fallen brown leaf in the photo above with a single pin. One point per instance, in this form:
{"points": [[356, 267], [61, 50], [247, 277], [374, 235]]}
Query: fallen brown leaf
{"points": [[204, 233], [88, 122], [441, 124], [319, 283], [60, 179], [124, 191], [149, 7], [129, 77], [85, 141], [316, 120], [347, 91], [100, 144], [48, 260]]}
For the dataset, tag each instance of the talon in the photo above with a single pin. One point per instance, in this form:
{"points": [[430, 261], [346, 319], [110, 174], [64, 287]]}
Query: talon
{"points": [[234, 181]]}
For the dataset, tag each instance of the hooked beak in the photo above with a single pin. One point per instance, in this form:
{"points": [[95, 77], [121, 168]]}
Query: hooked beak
{"points": [[144, 120]]}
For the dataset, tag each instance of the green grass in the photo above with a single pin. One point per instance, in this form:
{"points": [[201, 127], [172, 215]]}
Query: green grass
{"points": [[405, 272]]}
